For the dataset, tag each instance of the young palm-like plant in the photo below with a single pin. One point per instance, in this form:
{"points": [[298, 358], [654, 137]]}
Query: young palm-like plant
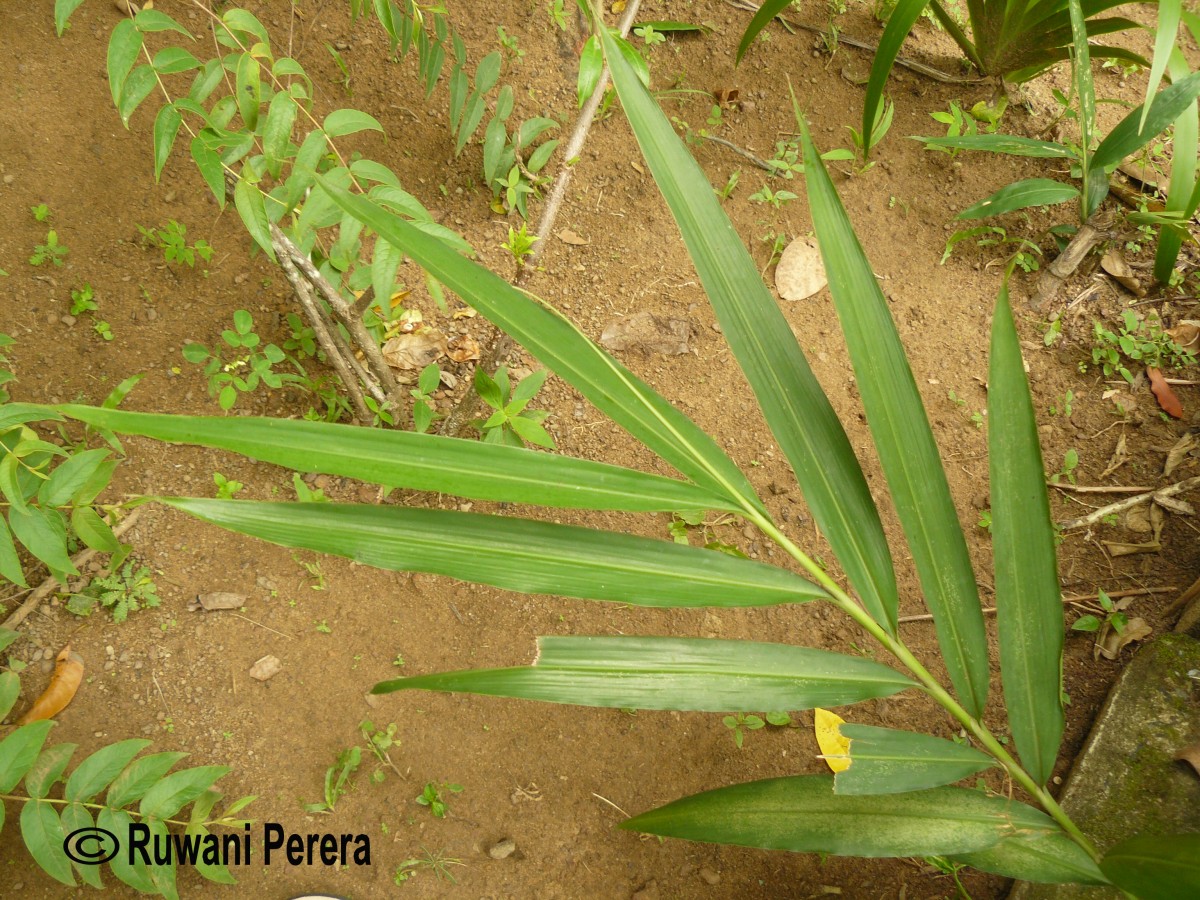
{"points": [[895, 799]]}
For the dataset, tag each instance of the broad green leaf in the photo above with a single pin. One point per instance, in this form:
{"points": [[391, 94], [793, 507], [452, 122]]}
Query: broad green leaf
{"points": [[10, 563], [19, 751], [766, 12], [166, 128], [249, 202], [151, 20], [1021, 195], [675, 673], [10, 483], [137, 875], [162, 873], [560, 345], [218, 872], [44, 773], [44, 534], [488, 72], [795, 407], [591, 64], [42, 831], [1028, 602], [177, 790], [1184, 184], [1001, 143], [139, 776], [137, 88], [472, 116], [76, 817], [899, 24], [93, 774], [802, 813], [172, 60], [69, 477], [248, 90], [277, 132], [886, 761], [512, 553], [240, 20], [1048, 859], [1125, 139], [347, 121], [385, 261], [10, 689], [124, 46], [93, 530], [209, 164], [7, 638], [1156, 866], [903, 439], [419, 461], [1166, 29], [62, 12]]}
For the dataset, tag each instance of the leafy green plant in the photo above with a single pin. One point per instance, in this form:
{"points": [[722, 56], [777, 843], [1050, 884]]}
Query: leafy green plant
{"points": [[435, 861], [41, 212], [512, 422], [49, 252], [431, 797], [740, 723], [135, 791], [337, 780], [423, 412], [895, 799], [246, 367], [171, 239], [1113, 617], [380, 741], [83, 300], [864, 142], [1140, 340], [774, 199], [519, 244], [121, 591], [227, 488], [1070, 464]]}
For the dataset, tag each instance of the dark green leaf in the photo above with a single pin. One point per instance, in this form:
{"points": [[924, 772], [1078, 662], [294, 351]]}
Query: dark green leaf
{"points": [[150, 20], [1126, 139], [20, 750], [138, 777], [44, 534], [136, 875], [277, 131], [10, 564], [766, 12], [166, 127], [93, 530], [10, 689], [1001, 143], [172, 60], [137, 88], [249, 202], [591, 64], [209, 164], [899, 24], [75, 817], [93, 774], [175, 791], [1049, 859], [42, 831], [62, 12], [1021, 195], [70, 476], [885, 761], [1156, 866]]}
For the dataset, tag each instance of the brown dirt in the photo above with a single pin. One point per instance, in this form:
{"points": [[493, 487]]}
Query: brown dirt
{"points": [[547, 777]]}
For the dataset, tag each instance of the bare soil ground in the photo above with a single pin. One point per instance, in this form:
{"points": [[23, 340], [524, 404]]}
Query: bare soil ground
{"points": [[550, 778]]}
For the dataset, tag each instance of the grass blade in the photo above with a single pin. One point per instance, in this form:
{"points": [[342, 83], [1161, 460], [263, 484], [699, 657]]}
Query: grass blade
{"points": [[886, 761], [1168, 105], [903, 438], [561, 346], [1000, 143], [1165, 31], [1028, 603], [792, 401], [899, 24], [422, 462], [1021, 195], [1090, 196], [1183, 178], [802, 813], [511, 553], [675, 673], [768, 11]]}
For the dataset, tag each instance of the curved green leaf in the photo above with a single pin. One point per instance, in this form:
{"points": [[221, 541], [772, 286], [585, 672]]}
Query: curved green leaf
{"points": [[1184, 183], [768, 11], [277, 131], [137, 87], [347, 121], [419, 461], [10, 563], [886, 761], [44, 773], [1126, 138], [178, 789], [44, 534], [138, 777], [802, 813], [1156, 866], [10, 689], [20, 750], [903, 438], [1021, 195], [1028, 602], [74, 817], [42, 831], [62, 12], [124, 45], [796, 409], [899, 24], [1166, 29], [674, 673], [166, 128], [71, 475], [1012, 145], [93, 774], [559, 344], [1048, 859], [93, 530], [137, 874], [511, 553], [249, 202]]}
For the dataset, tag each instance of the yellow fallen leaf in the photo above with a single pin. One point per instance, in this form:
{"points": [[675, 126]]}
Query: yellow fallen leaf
{"points": [[835, 749]]}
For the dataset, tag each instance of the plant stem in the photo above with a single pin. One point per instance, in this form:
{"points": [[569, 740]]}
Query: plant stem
{"points": [[931, 686], [100, 806]]}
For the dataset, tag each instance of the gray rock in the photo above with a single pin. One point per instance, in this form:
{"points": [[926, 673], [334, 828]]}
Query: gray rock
{"points": [[502, 849]]}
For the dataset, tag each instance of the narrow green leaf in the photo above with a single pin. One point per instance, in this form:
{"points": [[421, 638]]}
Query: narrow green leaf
{"points": [[62, 12], [488, 72], [1166, 29], [10, 563], [45, 773], [385, 261], [802, 813], [166, 128], [472, 116], [218, 872], [675, 673], [172, 60], [138, 777], [419, 461], [136, 875], [1184, 184], [795, 407], [341, 122], [42, 831], [248, 91], [1125, 139], [277, 132], [1021, 195], [516, 554], [1086, 90], [591, 64], [20, 750], [70, 476], [93, 774], [162, 874], [886, 761], [1011, 145], [19, 413], [75, 817], [174, 792], [124, 45], [44, 534], [249, 202], [899, 24], [766, 12], [1048, 859], [1156, 866], [151, 20], [10, 689], [903, 438], [560, 345], [1028, 602]]}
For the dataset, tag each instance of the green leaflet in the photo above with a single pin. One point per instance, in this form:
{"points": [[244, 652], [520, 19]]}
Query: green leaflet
{"points": [[1156, 866], [1028, 604], [1021, 195], [418, 461], [675, 673], [802, 813], [886, 761], [511, 553], [1048, 859]]}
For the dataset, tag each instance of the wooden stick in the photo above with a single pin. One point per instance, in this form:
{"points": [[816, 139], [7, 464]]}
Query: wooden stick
{"points": [[1129, 502], [1100, 488], [1067, 598], [46, 588]]}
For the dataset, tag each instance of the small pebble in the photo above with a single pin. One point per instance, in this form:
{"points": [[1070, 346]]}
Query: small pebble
{"points": [[68, 320], [502, 850], [266, 668], [709, 875], [9, 179]]}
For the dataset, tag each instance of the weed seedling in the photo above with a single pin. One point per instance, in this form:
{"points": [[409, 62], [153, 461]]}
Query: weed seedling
{"points": [[1070, 464], [226, 487], [340, 62], [1065, 406], [122, 592], [82, 300], [379, 742], [726, 192], [434, 861], [512, 423], [41, 212], [306, 494], [1138, 340], [740, 723], [519, 244], [649, 36], [423, 412], [171, 239], [248, 365], [103, 329], [50, 252], [1113, 617], [314, 571], [775, 199], [432, 797], [337, 780]]}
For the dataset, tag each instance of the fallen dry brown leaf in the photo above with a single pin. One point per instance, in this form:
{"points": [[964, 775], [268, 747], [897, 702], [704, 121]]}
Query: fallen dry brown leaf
{"points": [[1111, 642], [1179, 452], [463, 348], [800, 272], [413, 352], [68, 675], [1162, 392]]}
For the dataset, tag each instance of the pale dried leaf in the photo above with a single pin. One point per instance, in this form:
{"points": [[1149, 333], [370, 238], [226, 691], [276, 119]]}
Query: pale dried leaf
{"points": [[218, 600], [1111, 643], [800, 272], [1187, 335], [1138, 519], [463, 348], [1113, 262], [1179, 452], [646, 331], [1118, 458], [413, 352], [266, 668], [567, 236], [1175, 505], [1120, 548], [1157, 519], [466, 312]]}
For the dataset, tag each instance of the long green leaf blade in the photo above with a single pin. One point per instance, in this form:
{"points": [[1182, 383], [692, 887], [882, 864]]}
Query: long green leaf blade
{"points": [[1093, 188], [1013, 145], [1125, 139], [1047, 859], [511, 553], [561, 346], [675, 673], [1156, 867], [903, 439], [795, 407], [1166, 30], [1021, 195], [422, 462], [1028, 603], [802, 813], [768, 11], [1183, 177], [899, 24], [886, 761]]}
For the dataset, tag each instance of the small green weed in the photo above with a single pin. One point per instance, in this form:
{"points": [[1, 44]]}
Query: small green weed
{"points": [[432, 797], [435, 861], [50, 252], [41, 212], [226, 487], [83, 300], [512, 422], [171, 239], [379, 742], [519, 244], [740, 723], [423, 412], [243, 371], [121, 592], [1113, 617], [774, 199], [1070, 464], [337, 780], [1140, 340]]}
